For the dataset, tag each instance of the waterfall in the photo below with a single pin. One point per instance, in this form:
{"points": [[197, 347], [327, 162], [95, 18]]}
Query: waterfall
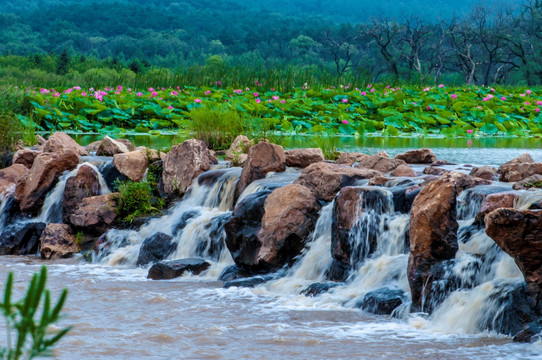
{"points": [[4, 200]]}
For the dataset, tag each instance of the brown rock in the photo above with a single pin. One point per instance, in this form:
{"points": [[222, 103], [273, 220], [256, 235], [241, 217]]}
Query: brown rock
{"points": [[46, 168], [441, 163], [290, 214], [57, 241], [484, 172], [496, 201], [378, 180], [303, 157], [110, 147], [132, 164], [419, 156], [40, 140], [93, 146], [404, 171], [463, 181], [326, 179], [517, 172], [382, 153], [240, 145], [60, 141], [127, 143], [351, 158], [523, 158], [533, 181], [25, 157], [263, 158], [184, 163], [78, 187], [380, 163], [519, 234], [10, 176], [431, 170], [95, 214]]}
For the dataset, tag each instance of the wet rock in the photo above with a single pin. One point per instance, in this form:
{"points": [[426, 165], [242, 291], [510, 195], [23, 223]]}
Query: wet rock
{"points": [[93, 146], [243, 227], [60, 142], [303, 157], [248, 282], [10, 176], [378, 180], [523, 158], [25, 157], [496, 201], [237, 153], [431, 170], [132, 164], [441, 163], [263, 158], [171, 269], [382, 301], [290, 214], [380, 163], [183, 220], [326, 179], [110, 147], [95, 214], [57, 242], [111, 175], [519, 168], [533, 181], [338, 271], [155, 248], [351, 158], [484, 172], [350, 204], [419, 156], [209, 178], [531, 333], [183, 164], [233, 272], [83, 185], [519, 234], [41, 178], [127, 143], [403, 197], [463, 181], [319, 288], [433, 235], [21, 238], [404, 171]]}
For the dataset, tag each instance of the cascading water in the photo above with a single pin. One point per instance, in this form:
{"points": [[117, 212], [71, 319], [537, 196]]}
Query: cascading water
{"points": [[4, 201]]}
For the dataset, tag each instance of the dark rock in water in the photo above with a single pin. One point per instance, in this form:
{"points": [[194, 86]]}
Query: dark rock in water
{"points": [[11, 211], [156, 248], [211, 246], [403, 199], [233, 272], [441, 163], [171, 269], [531, 333], [248, 282], [21, 238], [183, 220], [209, 178], [319, 288], [111, 175], [382, 301], [418, 156], [337, 271]]}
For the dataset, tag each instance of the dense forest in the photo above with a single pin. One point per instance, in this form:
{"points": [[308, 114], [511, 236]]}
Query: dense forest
{"points": [[422, 41]]}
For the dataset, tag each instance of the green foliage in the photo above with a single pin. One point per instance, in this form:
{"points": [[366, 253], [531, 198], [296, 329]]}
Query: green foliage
{"points": [[215, 125], [534, 184], [28, 336], [63, 63], [328, 144], [137, 199]]}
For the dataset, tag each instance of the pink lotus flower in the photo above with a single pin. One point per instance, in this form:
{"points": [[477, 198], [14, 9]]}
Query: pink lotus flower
{"points": [[77, 87], [197, 100], [283, 101], [363, 93], [539, 103], [256, 94], [274, 97], [207, 92], [492, 90], [170, 107], [469, 131], [429, 108], [414, 103], [369, 86], [373, 90], [154, 94], [174, 93], [84, 93], [344, 101], [528, 92], [258, 101], [345, 121], [454, 96], [527, 103], [139, 94], [151, 89], [441, 86], [537, 110], [503, 98]]}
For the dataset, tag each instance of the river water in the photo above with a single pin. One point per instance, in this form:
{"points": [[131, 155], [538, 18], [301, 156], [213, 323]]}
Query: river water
{"points": [[117, 313]]}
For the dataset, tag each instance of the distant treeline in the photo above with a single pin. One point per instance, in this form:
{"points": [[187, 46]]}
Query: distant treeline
{"points": [[200, 42]]}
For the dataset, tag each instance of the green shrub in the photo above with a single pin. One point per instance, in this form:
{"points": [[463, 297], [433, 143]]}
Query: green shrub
{"points": [[137, 199], [216, 126], [33, 337], [328, 143]]}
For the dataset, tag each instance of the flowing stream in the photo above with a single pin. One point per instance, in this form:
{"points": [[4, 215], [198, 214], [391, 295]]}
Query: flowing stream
{"points": [[119, 314]]}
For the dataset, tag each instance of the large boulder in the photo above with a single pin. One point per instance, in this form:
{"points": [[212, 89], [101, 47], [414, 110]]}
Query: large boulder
{"points": [[519, 168], [25, 157], [110, 147], [303, 157], [404, 171], [263, 158], [351, 204], [496, 201], [156, 248], [433, 236], [59, 142], [290, 214], [484, 172], [519, 234], [326, 179], [237, 153], [419, 156], [10, 176], [380, 163], [96, 214], [58, 241], [383, 301], [22, 238], [184, 163], [351, 158], [132, 164], [171, 269], [533, 181], [47, 167], [84, 184]]}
